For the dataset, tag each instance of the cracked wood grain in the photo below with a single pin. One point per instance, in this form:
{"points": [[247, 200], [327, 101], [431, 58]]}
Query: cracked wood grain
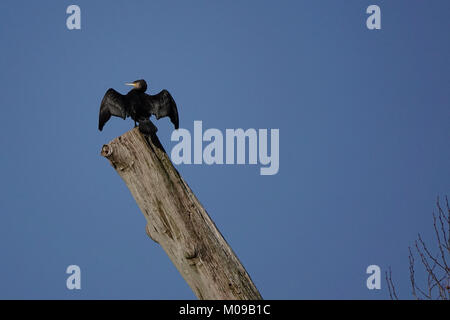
{"points": [[177, 221]]}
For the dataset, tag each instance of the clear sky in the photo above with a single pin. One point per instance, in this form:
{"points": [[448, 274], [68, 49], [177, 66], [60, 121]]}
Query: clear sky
{"points": [[364, 140]]}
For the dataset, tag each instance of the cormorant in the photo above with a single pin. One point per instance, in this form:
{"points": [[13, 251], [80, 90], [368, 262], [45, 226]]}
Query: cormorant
{"points": [[139, 106]]}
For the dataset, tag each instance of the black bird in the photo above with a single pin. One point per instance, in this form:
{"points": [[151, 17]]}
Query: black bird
{"points": [[139, 106]]}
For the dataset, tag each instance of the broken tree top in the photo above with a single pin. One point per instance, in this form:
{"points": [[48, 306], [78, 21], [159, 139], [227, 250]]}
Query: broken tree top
{"points": [[176, 219]]}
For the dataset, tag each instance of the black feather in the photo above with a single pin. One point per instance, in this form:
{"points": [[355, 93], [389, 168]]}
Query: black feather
{"points": [[138, 105], [162, 105], [113, 104]]}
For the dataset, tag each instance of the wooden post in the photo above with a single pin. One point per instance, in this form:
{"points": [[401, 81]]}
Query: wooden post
{"points": [[177, 221]]}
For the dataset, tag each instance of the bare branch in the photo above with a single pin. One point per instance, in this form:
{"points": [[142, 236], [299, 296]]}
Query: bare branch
{"points": [[391, 286], [437, 272], [426, 264], [425, 249], [411, 273], [436, 231]]}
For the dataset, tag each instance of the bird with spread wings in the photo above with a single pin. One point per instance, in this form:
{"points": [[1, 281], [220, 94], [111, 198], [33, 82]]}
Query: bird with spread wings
{"points": [[139, 106]]}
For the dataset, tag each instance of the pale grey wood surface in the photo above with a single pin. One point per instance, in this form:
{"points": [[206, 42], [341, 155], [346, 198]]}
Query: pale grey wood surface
{"points": [[176, 219]]}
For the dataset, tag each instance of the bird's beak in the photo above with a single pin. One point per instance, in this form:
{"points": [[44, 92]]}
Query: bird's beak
{"points": [[130, 84]]}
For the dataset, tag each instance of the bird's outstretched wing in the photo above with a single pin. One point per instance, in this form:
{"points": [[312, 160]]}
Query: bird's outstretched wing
{"points": [[113, 104], [163, 105]]}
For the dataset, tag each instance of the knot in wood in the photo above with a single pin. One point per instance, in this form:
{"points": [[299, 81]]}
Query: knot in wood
{"points": [[107, 150], [191, 252]]}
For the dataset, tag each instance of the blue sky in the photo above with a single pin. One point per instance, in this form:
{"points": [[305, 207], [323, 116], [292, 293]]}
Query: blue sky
{"points": [[364, 140]]}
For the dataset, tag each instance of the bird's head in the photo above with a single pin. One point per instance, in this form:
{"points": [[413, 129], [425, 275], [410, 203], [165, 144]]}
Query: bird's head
{"points": [[140, 85]]}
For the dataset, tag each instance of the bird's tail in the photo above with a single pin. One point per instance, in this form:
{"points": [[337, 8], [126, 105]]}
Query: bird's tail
{"points": [[147, 127]]}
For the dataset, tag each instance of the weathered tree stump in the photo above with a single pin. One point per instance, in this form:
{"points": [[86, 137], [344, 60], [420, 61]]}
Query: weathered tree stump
{"points": [[176, 219]]}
